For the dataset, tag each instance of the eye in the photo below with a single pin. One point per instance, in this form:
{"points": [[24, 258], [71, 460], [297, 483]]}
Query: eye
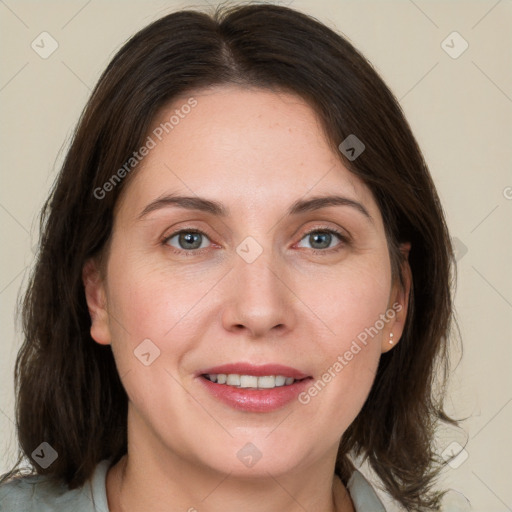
{"points": [[187, 240], [193, 240], [321, 239]]}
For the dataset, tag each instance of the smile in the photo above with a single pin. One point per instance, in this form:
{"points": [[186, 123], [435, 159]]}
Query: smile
{"points": [[253, 388], [250, 381]]}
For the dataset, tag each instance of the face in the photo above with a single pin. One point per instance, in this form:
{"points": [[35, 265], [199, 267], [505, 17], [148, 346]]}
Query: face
{"points": [[254, 274]]}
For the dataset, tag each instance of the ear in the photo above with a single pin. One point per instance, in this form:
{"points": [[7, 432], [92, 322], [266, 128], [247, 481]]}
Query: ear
{"points": [[96, 298], [398, 302]]}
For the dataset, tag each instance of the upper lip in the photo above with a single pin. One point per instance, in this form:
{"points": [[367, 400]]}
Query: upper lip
{"points": [[256, 370]]}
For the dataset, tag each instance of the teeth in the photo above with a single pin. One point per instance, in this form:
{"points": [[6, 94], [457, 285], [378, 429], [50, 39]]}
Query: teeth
{"points": [[248, 381], [268, 382], [251, 381], [233, 380]]}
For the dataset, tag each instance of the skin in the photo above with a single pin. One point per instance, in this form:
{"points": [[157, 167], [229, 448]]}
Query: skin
{"points": [[256, 152]]}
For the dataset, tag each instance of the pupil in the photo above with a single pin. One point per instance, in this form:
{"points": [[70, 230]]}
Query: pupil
{"points": [[188, 239], [318, 237]]}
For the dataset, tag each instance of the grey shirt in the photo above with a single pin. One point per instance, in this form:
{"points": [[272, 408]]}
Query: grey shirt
{"points": [[39, 493]]}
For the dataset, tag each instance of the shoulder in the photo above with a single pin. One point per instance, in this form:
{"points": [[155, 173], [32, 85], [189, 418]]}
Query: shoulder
{"points": [[42, 494]]}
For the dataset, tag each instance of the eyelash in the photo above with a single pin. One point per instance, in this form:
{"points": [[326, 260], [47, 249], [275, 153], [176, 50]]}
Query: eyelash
{"points": [[195, 252]]}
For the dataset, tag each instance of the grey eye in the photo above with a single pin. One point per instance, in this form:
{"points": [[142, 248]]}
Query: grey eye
{"points": [[320, 239], [188, 240]]}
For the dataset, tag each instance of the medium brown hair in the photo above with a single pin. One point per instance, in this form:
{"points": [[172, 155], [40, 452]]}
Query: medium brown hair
{"points": [[68, 390]]}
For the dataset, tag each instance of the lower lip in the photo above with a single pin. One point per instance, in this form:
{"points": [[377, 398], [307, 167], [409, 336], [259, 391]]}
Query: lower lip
{"points": [[255, 400]]}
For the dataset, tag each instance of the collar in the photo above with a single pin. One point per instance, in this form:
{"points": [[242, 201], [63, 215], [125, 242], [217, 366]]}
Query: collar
{"points": [[363, 494]]}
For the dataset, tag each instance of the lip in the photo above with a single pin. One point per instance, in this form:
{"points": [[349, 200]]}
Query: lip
{"points": [[256, 370], [255, 400]]}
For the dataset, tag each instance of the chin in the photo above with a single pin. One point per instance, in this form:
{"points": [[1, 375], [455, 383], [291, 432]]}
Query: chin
{"points": [[256, 456]]}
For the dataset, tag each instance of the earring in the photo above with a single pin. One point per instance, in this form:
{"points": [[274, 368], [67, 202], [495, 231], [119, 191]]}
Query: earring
{"points": [[391, 338]]}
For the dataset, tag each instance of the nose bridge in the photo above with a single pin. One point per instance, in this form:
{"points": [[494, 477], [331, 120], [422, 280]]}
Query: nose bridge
{"points": [[258, 277], [259, 300]]}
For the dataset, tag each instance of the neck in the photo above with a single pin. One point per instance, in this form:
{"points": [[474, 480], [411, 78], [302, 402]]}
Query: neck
{"points": [[134, 486], [154, 477]]}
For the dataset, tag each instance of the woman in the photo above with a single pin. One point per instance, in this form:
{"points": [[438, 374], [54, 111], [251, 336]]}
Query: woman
{"points": [[243, 283]]}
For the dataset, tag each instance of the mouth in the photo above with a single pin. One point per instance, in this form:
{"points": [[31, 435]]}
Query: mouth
{"points": [[250, 381], [253, 388]]}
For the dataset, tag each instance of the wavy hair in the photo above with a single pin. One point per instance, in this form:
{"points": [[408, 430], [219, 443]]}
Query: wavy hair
{"points": [[68, 392]]}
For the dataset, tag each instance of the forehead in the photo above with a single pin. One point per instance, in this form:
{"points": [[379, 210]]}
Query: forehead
{"points": [[253, 148]]}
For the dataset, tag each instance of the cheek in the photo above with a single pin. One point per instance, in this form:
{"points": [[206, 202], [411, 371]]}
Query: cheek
{"points": [[350, 300], [150, 299], [351, 305], [151, 311], [141, 303]]}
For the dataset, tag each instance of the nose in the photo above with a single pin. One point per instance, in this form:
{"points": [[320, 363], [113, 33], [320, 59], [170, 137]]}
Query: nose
{"points": [[259, 299]]}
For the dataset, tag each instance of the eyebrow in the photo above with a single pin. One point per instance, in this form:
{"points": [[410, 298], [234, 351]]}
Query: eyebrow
{"points": [[186, 202], [316, 203], [218, 209]]}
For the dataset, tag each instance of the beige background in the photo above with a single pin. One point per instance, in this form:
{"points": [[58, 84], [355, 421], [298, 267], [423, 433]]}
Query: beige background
{"points": [[460, 110]]}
